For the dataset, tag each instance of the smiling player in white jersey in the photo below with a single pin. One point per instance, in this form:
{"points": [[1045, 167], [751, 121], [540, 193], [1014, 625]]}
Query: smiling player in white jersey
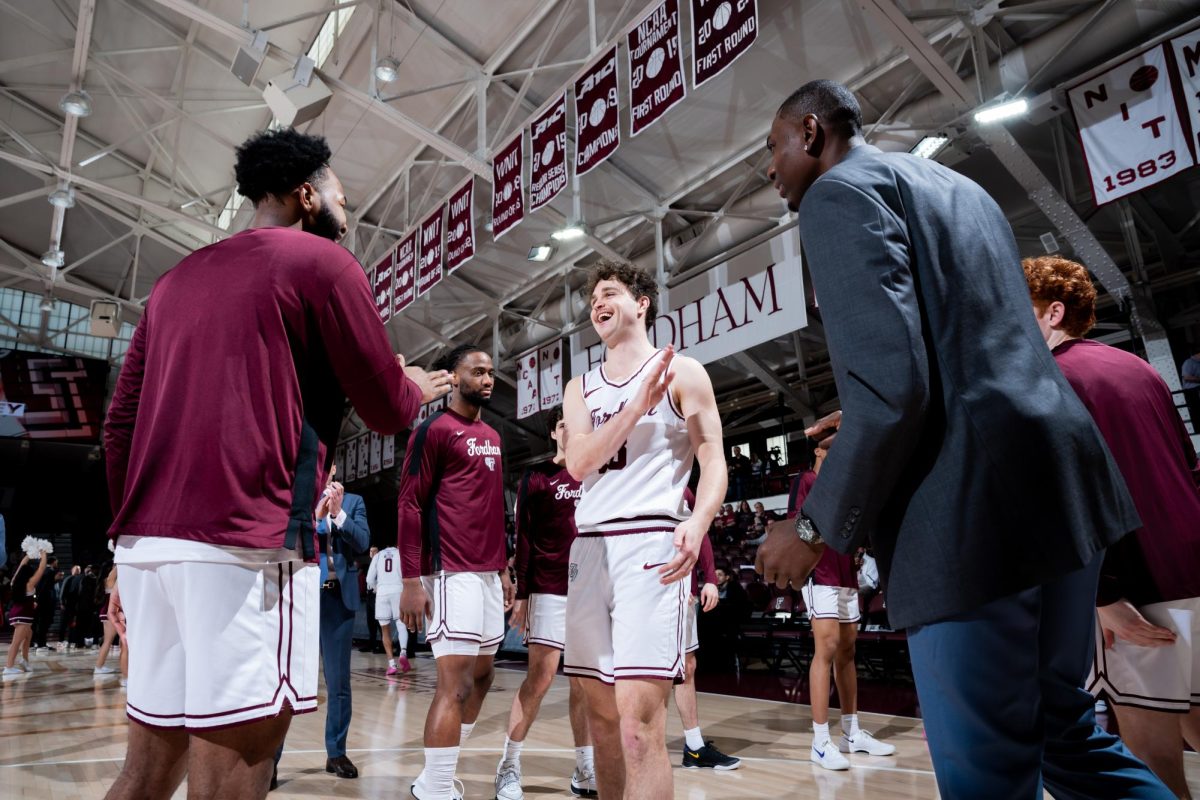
{"points": [[635, 424]]}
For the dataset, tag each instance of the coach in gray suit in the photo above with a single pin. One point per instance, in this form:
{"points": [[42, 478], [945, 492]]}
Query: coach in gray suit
{"points": [[966, 458]]}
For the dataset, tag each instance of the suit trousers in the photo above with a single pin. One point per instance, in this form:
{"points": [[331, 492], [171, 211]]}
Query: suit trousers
{"points": [[337, 629], [1002, 699]]}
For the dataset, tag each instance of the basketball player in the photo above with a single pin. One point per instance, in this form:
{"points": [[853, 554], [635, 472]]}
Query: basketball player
{"points": [[218, 440], [383, 577], [453, 560], [635, 424], [545, 517]]}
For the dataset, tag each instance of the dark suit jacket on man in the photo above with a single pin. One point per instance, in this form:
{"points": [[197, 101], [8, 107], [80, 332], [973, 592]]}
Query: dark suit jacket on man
{"points": [[345, 544], [963, 454]]}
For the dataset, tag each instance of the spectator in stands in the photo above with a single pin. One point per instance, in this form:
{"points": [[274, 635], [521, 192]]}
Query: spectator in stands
{"points": [[739, 474], [758, 470], [1148, 637], [744, 518], [719, 628]]}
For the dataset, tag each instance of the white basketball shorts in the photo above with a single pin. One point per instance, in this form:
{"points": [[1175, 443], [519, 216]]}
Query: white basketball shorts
{"points": [[1156, 678], [693, 635], [830, 602], [622, 623], [219, 644], [468, 613], [387, 607], [547, 615]]}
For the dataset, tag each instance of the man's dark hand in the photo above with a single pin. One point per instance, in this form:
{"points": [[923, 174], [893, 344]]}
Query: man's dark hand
{"points": [[825, 429], [784, 557]]}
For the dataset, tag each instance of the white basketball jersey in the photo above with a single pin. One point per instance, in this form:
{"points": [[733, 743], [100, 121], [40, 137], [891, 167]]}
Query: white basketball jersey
{"points": [[642, 487], [384, 573]]}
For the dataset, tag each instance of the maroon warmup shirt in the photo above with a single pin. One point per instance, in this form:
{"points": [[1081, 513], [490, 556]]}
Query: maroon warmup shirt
{"points": [[545, 518], [231, 397], [451, 504], [834, 569], [1133, 409]]}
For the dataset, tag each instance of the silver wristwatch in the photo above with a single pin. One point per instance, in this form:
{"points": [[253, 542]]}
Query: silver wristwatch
{"points": [[807, 531]]}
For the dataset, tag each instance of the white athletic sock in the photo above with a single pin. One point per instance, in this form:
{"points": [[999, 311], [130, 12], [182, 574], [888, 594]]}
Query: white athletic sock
{"points": [[850, 724], [465, 733], [512, 753], [403, 652], [694, 740], [820, 732], [392, 663], [584, 760], [437, 779]]}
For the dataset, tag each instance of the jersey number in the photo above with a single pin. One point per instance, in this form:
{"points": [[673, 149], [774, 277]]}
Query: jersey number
{"points": [[387, 565], [617, 462]]}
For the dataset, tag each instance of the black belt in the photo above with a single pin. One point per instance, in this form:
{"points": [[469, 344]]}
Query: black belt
{"points": [[332, 583]]}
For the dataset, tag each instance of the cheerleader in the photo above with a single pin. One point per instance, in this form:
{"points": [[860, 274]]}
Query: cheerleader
{"points": [[21, 613]]}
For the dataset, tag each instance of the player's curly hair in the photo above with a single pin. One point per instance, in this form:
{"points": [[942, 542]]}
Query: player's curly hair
{"points": [[451, 360], [1051, 278], [278, 162], [639, 283]]}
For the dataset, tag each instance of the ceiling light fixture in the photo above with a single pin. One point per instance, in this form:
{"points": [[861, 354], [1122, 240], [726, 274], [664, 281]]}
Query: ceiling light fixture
{"points": [[568, 233], [77, 104], [47, 303], [1004, 110], [53, 258], [540, 252], [930, 146], [63, 197], [387, 69]]}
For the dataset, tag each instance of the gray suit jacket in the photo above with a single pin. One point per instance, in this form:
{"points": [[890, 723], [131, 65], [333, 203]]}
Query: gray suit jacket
{"points": [[963, 453]]}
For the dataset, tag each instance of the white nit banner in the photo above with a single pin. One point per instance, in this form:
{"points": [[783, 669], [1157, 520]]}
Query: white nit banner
{"points": [[1131, 132], [550, 384], [389, 452], [527, 384], [1187, 59], [364, 456], [351, 469], [376, 452]]}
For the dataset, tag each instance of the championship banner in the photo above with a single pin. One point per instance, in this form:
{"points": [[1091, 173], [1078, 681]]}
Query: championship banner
{"points": [[389, 452], [655, 67], [350, 472], [722, 30], [460, 227], [752, 308], [405, 282], [1187, 58], [383, 285], [548, 151], [429, 269], [550, 385], [527, 388], [597, 123], [376, 452], [364, 456], [508, 203], [1131, 132]]}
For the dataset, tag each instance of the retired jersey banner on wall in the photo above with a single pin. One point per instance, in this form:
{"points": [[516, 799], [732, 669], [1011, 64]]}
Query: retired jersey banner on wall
{"points": [[722, 30], [389, 452], [460, 227], [429, 265], [597, 123], [383, 285], [550, 385], [1130, 127], [655, 67], [364, 455], [339, 460], [350, 472], [431, 408], [1187, 59], [376, 452], [548, 154], [405, 281], [508, 202], [527, 388]]}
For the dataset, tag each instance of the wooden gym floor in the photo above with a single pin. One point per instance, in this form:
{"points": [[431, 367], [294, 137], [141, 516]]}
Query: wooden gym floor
{"points": [[63, 733]]}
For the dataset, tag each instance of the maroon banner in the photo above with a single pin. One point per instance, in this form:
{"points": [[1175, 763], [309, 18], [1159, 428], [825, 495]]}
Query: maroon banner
{"points": [[508, 199], [382, 282], [722, 30], [655, 67], [405, 282], [597, 123], [548, 151], [460, 227], [429, 266]]}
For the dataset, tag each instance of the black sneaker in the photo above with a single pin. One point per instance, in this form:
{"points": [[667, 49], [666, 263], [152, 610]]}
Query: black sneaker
{"points": [[708, 757]]}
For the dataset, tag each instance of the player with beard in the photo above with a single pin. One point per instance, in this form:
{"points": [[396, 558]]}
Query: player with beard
{"points": [[218, 442], [545, 517], [453, 561]]}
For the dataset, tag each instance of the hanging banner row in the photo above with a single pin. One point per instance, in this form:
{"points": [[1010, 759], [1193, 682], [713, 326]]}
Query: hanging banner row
{"points": [[722, 30], [370, 452], [1130, 120]]}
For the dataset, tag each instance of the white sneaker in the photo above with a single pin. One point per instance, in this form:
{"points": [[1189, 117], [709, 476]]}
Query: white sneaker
{"points": [[826, 755], [106, 670], [12, 672], [508, 783], [23, 663], [864, 742], [583, 783]]}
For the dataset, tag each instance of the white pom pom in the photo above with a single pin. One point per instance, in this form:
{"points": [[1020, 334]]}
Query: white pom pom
{"points": [[29, 546], [112, 546]]}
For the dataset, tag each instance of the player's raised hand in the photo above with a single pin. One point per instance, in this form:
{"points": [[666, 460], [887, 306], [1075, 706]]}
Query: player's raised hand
{"points": [[656, 383], [415, 607], [688, 535]]}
